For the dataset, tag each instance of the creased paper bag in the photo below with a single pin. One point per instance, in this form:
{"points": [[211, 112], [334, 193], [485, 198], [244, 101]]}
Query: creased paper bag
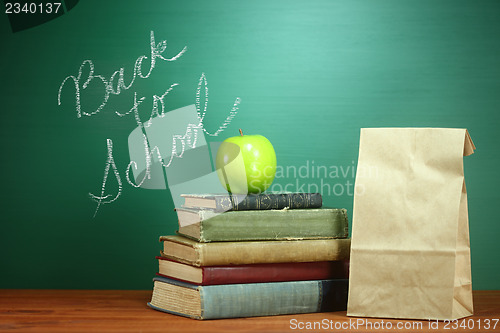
{"points": [[410, 252]]}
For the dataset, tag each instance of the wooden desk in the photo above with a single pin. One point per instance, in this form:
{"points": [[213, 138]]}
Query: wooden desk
{"points": [[126, 311]]}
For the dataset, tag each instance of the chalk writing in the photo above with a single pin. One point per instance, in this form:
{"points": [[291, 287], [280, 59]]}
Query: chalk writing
{"points": [[87, 67], [110, 163], [114, 85], [232, 113]]}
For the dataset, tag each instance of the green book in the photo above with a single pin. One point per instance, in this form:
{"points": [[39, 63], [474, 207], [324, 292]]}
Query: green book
{"points": [[286, 224]]}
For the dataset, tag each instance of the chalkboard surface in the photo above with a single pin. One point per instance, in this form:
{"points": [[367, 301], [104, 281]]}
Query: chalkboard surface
{"points": [[305, 74]]}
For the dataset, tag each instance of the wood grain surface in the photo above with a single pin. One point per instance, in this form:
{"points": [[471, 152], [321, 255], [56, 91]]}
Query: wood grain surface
{"points": [[126, 311]]}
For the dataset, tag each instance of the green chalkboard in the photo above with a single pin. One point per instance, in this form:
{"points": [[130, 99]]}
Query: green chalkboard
{"points": [[305, 74]]}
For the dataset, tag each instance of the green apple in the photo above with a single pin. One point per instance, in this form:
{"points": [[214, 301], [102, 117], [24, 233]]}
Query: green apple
{"points": [[246, 164]]}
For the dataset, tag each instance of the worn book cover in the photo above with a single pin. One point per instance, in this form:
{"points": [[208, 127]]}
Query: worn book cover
{"points": [[194, 253], [285, 224], [248, 300], [253, 273], [263, 201]]}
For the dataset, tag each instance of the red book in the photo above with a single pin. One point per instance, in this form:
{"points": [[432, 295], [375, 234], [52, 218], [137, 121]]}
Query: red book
{"points": [[254, 273]]}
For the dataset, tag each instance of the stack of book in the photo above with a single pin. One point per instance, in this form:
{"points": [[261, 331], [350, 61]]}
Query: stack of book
{"points": [[256, 255]]}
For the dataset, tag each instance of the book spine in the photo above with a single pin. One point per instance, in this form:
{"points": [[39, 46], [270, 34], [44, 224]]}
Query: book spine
{"points": [[279, 272], [262, 252], [274, 225], [268, 299], [268, 201]]}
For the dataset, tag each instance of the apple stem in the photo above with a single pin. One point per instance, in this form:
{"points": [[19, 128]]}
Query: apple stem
{"points": [[241, 132]]}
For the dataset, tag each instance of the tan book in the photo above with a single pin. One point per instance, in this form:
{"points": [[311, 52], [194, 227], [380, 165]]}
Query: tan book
{"points": [[188, 251]]}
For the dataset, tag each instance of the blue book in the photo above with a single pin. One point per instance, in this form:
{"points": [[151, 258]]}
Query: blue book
{"points": [[249, 299]]}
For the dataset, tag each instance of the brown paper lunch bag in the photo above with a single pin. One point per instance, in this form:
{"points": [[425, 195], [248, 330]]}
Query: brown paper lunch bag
{"points": [[410, 252]]}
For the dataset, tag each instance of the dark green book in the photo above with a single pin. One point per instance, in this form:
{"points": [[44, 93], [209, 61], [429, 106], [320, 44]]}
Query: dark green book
{"points": [[286, 224], [264, 201]]}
